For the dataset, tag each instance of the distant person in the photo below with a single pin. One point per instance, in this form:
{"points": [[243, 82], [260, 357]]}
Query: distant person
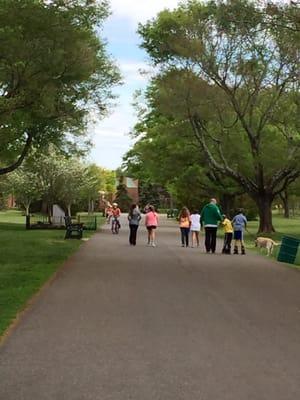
{"points": [[195, 227], [151, 222], [239, 225], [134, 217], [228, 234], [116, 213], [108, 213], [184, 223], [210, 218]]}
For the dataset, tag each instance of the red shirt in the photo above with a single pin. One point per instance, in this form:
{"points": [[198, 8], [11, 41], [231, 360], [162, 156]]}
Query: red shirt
{"points": [[116, 212]]}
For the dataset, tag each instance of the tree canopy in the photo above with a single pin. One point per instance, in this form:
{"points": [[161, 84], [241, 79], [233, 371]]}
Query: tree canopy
{"points": [[230, 71], [54, 70]]}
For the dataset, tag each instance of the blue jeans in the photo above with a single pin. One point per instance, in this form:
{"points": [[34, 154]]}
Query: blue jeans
{"points": [[185, 236]]}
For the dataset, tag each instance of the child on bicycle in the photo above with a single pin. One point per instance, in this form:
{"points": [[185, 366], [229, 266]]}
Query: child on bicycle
{"points": [[115, 214]]}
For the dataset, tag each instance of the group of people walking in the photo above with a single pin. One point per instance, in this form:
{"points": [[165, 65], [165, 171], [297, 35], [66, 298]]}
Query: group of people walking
{"points": [[151, 222], [191, 224], [210, 218]]}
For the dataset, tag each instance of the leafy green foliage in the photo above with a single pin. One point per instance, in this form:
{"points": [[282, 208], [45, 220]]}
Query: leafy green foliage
{"points": [[122, 198], [230, 70], [54, 71]]}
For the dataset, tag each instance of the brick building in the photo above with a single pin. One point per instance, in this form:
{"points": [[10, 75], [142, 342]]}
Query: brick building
{"points": [[132, 186]]}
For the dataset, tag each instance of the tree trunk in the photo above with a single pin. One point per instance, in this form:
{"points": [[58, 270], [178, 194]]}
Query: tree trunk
{"points": [[285, 202], [69, 210], [227, 203], [27, 209], [50, 212], [264, 204]]}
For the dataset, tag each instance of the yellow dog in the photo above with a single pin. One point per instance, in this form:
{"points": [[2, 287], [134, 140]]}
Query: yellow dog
{"points": [[266, 243]]}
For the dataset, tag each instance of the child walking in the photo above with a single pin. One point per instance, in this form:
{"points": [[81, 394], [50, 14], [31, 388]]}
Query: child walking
{"points": [[239, 224], [195, 227], [184, 223], [228, 230]]}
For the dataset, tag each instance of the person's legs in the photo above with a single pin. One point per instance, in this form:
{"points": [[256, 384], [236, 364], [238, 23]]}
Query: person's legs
{"points": [[130, 234], [237, 239], [243, 251], [229, 239], [193, 238], [149, 235], [225, 244], [186, 236], [182, 236], [153, 237], [213, 239], [134, 233], [197, 238], [207, 240]]}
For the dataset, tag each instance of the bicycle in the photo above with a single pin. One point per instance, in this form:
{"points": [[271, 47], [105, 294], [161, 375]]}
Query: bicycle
{"points": [[115, 226]]}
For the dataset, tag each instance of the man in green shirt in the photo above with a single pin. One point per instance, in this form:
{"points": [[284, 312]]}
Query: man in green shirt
{"points": [[210, 218]]}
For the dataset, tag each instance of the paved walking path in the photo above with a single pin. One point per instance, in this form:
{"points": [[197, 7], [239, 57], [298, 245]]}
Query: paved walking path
{"points": [[163, 323]]}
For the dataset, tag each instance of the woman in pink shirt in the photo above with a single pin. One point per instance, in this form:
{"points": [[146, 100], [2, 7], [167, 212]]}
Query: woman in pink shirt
{"points": [[151, 222]]}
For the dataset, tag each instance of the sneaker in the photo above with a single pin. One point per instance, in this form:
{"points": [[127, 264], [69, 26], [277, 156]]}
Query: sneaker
{"points": [[153, 244]]}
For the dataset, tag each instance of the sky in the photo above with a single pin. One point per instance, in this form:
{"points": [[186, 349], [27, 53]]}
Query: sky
{"points": [[111, 136]]}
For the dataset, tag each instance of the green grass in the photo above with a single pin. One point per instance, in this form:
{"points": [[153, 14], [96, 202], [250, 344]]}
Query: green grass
{"points": [[28, 260], [283, 227]]}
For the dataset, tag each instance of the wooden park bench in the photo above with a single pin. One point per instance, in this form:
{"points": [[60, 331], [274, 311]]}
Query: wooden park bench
{"points": [[73, 230]]}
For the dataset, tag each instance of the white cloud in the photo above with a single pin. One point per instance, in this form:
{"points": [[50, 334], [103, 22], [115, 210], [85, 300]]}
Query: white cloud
{"points": [[134, 72], [140, 11]]}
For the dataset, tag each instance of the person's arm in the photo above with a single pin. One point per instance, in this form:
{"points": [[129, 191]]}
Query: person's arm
{"points": [[202, 216], [219, 215]]}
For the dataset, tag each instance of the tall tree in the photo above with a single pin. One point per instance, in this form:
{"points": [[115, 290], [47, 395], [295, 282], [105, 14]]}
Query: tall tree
{"points": [[24, 185], [166, 153], [54, 70], [93, 182], [71, 178], [247, 72]]}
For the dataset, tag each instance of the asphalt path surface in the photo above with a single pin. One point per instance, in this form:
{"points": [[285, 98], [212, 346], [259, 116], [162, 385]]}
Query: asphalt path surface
{"points": [[164, 323]]}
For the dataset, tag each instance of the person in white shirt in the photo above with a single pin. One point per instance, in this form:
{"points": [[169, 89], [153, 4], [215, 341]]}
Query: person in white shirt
{"points": [[195, 227]]}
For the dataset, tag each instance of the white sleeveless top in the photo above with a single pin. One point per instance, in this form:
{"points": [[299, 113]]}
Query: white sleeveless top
{"points": [[195, 222]]}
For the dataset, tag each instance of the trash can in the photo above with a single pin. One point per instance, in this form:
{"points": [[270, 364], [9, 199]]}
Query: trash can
{"points": [[288, 250]]}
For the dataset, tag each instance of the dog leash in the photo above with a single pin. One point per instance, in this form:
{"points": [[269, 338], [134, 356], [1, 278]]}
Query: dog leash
{"points": [[251, 234]]}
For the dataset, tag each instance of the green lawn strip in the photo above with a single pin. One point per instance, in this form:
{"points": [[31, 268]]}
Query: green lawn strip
{"points": [[283, 227], [28, 260]]}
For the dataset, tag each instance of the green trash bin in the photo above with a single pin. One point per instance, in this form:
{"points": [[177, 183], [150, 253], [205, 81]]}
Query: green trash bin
{"points": [[288, 250]]}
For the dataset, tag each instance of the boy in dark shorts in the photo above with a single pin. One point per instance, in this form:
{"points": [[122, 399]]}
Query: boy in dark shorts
{"points": [[239, 223]]}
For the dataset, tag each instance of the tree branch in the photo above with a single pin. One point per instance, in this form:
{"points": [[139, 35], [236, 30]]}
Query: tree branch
{"points": [[24, 153]]}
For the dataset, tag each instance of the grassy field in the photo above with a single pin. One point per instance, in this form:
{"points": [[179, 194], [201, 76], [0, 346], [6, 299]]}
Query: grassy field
{"points": [[28, 260], [283, 227]]}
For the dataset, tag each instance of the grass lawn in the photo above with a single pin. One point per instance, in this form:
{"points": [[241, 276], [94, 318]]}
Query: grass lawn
{"points": [[28, 260], [283, 227]]}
